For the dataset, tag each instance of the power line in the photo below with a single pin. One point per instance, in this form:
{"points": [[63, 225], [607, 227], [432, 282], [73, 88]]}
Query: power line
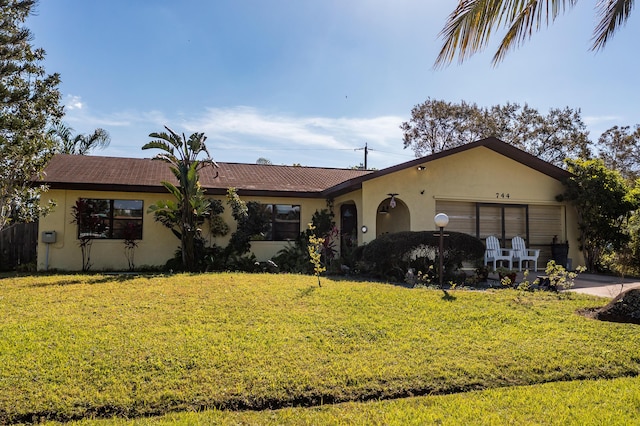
{"points": [[366, 154], [287, 149]]}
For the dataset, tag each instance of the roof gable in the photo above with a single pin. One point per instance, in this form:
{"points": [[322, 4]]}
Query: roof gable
{"points": [[491, 143]]}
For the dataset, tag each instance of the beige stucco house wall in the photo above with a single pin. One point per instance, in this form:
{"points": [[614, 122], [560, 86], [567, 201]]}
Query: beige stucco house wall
{"points": [[478, 175], [486, 188], [158, 243]]}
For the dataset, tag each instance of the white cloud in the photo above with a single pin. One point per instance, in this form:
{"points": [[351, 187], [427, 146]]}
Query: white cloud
{"points": [[73, 102], [239, 123], [242, 134], [86, 118], [596, 120]]}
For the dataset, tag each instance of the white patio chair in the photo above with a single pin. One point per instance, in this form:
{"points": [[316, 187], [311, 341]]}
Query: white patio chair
{"points": [[522, 254], [494, 253]]}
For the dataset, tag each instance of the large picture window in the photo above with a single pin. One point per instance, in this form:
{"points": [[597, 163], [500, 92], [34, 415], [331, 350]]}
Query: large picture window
{"points": [[284, 221], [109, 219]]}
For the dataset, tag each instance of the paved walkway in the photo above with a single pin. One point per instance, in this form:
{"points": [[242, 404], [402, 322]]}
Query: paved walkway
{"points": [[603, 285], [595, 284]]}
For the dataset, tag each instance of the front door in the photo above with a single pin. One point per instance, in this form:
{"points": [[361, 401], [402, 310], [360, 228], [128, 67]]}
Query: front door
{"points": [[348, 228]]}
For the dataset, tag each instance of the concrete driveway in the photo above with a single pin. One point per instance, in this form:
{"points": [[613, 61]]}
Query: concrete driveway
{"points": [[603, 285], [594, 284]]}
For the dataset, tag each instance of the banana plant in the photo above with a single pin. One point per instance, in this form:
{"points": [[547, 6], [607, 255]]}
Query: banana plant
{"points": [[184, 215]]}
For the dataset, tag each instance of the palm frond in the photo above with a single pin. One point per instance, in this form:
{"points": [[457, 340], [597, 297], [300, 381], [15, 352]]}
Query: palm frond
{"points": [[530, 18], [158, 144], [83, 144], [173, 190], [168, 138], [467, 30], [613, 14], [100, 138], [470, 26]]}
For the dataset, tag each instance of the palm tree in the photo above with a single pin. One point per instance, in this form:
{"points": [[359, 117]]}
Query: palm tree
{"points": [[469, 26], [79, 144], [184, 216]]}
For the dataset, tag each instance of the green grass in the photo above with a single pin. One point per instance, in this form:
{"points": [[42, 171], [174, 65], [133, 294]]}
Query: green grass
{"points": [[95, 346], [593, 402]]}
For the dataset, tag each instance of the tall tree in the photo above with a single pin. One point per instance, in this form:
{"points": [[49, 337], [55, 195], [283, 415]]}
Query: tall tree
{"points": [[190, 207], [469, 27], [79, 144], [29, 102], [604, 201], [436, 125], [619, 148]]}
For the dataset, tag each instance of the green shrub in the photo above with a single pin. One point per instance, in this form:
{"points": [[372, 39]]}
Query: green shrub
{"points": [[391, 255], [294, 258]]}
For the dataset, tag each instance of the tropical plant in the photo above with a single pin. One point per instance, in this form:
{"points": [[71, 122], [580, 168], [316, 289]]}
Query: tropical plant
{"points": [[470, 26], [315, 249], [604, 201], [79, 144], [130, 233], [252, 222], [557, 277], [89, 226], [185, 215], [29, 103], [296, 257]]}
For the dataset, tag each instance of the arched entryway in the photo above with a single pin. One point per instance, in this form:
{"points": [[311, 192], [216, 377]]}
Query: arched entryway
{"points": [[392, 216]]}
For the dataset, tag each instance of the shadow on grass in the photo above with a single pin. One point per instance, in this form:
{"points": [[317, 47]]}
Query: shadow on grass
{"points": [[99, 278], [306, 292], [447, 297]]}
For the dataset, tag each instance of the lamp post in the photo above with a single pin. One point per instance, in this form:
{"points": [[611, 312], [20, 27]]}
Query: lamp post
{"points": [[441, 221]]}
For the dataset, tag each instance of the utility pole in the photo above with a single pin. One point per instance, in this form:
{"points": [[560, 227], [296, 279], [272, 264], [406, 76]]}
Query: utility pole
{"points": [[366, 153]]}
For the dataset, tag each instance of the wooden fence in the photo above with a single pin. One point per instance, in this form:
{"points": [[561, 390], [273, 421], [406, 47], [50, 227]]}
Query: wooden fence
{"points": [[18, 245]]}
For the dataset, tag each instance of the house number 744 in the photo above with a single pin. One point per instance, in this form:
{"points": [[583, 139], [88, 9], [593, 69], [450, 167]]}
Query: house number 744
{"points": [[502, 195]]}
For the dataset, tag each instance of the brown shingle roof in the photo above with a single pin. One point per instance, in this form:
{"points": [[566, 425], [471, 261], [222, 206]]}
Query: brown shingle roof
{"points": [[138, 174], [145, 175]]}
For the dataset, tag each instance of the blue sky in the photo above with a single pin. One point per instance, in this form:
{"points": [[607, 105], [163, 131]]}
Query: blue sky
{"points": [[309, 81]]}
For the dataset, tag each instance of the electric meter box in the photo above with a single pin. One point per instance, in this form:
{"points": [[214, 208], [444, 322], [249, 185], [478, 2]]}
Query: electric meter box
{"points": [[49, 236]]}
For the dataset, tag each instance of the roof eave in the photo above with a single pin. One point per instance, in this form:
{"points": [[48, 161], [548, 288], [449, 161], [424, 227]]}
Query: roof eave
{"points": [[159, 189]]}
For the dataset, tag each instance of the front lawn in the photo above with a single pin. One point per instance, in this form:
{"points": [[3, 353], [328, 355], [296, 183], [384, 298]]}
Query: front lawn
{"points": [[588, 402], [92, 346]]}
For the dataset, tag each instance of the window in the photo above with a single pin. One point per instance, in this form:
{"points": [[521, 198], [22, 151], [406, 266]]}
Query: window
{"points": [[284, 221], [109, 219]]}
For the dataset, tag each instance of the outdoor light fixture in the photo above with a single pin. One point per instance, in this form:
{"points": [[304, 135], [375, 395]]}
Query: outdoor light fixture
{"points": [[364, 229], [385, 207], [392, 202], [441, 221], [421, 168]]}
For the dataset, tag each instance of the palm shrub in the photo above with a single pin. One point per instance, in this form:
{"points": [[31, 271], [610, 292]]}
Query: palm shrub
{"points": [[186, 214], [390, 256], [292, 258]]}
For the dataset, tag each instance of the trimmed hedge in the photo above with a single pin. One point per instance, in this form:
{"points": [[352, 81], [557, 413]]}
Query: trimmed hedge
{"points": [[391, 255]]}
